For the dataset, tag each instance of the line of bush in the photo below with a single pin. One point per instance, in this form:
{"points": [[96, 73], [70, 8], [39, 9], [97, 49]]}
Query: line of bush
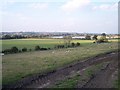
{"points": [[14, 50], [37, 48], [68, 46]]}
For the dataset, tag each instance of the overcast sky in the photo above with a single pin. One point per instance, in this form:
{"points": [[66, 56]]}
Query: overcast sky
{"points": [[83, 16]]}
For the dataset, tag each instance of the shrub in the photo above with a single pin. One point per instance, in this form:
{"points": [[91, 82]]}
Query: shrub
{"points": [[14, 49], [101, 40], [6, 51], [49, 48], [68, 46], [55, 46], [43, 48], [37, 48], [73, 44], [30, 49], [24, 49], [77, 44], [59, 46]]}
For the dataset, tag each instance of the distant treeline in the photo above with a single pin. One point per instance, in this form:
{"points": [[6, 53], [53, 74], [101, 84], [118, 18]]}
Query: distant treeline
{"points": [[13, 37], [22, 36], [7, 36], [29, 35]]}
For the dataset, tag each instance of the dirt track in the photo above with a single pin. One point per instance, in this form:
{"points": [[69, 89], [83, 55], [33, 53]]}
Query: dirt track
{"points": [[102, 79]]}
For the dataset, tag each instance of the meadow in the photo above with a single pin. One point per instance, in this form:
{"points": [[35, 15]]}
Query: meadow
{"points": [[17, 66], [31, 43]]}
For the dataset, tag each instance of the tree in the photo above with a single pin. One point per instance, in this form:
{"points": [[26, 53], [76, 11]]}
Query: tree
{"points": [[7, 37], [95, 37], [103, 34], [67, 40], [102, 38]]}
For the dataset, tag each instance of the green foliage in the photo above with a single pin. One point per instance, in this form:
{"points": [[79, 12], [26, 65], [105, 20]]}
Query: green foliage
{"points": [[6, 51], [95, 37], [37, 48], [67, 40], [77, 44], [24, 49], [43, 49], [103, 34], [73, 44], [102, 38], [14, 49], [59, 46]]}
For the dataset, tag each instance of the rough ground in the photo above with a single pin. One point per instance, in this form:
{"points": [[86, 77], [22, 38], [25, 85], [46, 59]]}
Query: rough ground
{"points": [[101, 79], [104, 78]]}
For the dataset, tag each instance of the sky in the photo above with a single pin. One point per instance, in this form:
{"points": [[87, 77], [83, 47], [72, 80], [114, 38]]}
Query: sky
{"points": [[82, 16]]}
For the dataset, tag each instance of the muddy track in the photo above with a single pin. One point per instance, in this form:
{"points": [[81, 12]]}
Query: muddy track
{"points": [[44, 80], [104, 78]]}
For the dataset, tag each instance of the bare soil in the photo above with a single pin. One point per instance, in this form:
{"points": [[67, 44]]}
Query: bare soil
{"points": [[104, 78]]}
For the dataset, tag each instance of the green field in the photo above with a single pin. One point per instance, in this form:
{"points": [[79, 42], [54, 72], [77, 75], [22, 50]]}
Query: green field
{"points": [[17, 66], [31, 43]]}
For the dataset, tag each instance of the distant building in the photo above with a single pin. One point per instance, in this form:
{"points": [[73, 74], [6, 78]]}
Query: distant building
{"points": [[57, 37], [78, 37]]}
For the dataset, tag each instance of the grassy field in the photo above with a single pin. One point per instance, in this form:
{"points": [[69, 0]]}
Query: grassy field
{"points": [[31, 43], [16, 66]]}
